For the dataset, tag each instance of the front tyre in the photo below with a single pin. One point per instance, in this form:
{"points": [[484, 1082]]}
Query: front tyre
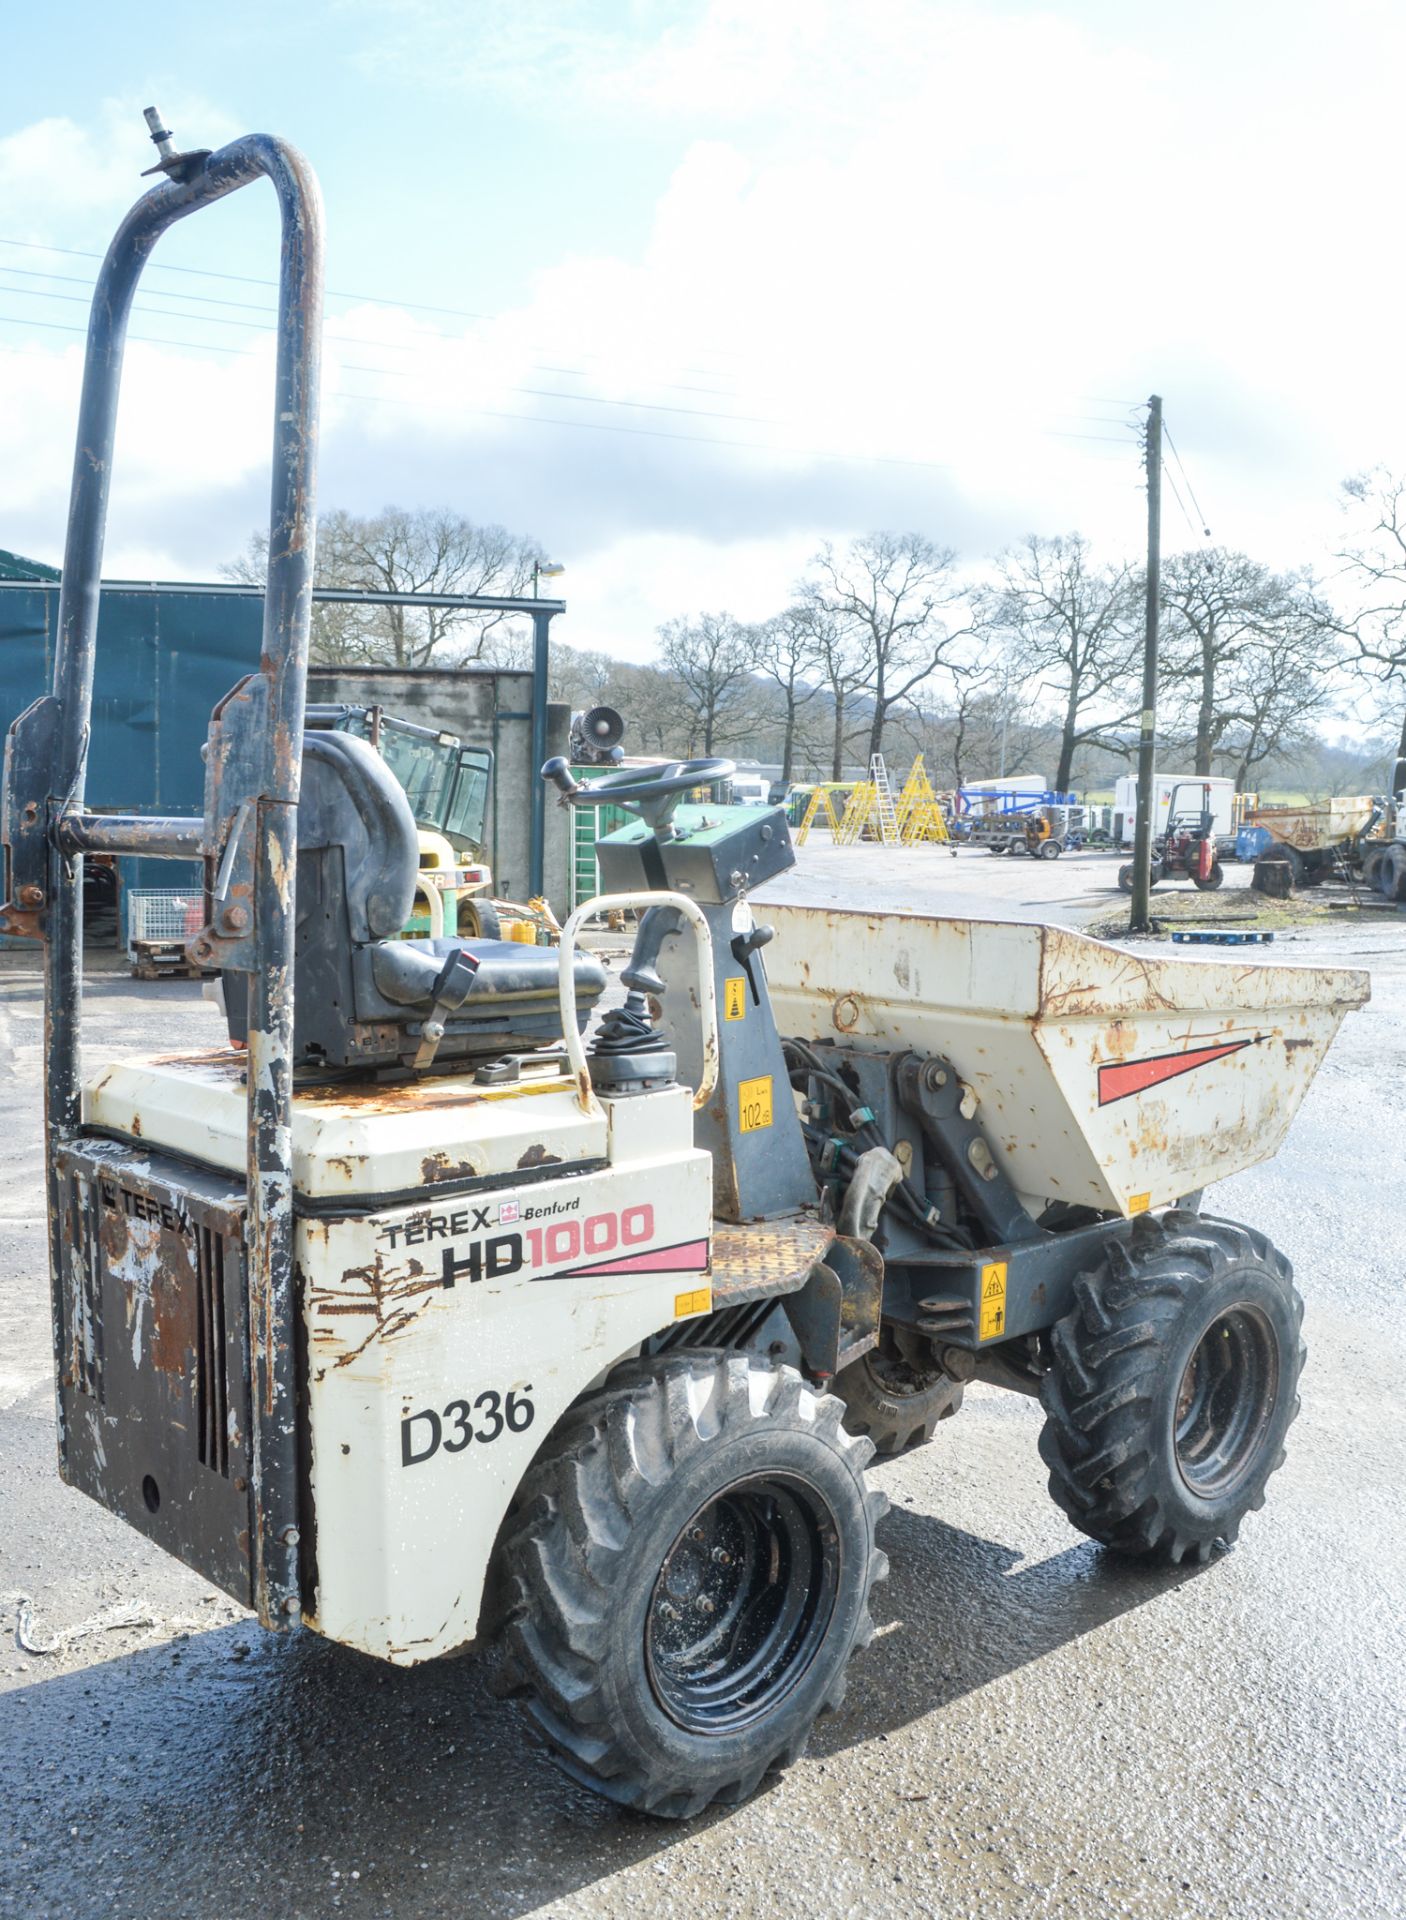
{"points": [[478, 919], [1173, 1385], [689, 1573], [1209, 882], [896, 1398]]}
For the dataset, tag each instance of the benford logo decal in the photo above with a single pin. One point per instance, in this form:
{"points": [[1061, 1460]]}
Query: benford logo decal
{"points": [[1127, 1077]]}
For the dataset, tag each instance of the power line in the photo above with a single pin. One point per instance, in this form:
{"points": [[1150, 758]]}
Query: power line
{"points": [[575, 399], [420, 306], [408, 373], [538, 419], [1206, 531], [366, 299], [264, 326], [1167, 473]]}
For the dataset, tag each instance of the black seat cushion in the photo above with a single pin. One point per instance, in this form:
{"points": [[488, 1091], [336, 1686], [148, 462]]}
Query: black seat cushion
{"points": [[511, 971]]}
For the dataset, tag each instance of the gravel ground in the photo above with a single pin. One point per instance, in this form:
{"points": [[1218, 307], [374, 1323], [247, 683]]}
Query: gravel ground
{"points": [[1038, 1729]]}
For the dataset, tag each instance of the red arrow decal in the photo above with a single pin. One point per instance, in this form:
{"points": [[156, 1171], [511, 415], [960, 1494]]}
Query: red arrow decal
{"points": [[1136, 1076]]}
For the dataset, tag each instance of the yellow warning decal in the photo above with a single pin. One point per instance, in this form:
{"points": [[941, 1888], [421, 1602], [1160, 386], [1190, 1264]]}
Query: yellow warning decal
{"points": [[754, 1104], [734, 998], [1139, 1202], [993, 1300], [699, 1301]]}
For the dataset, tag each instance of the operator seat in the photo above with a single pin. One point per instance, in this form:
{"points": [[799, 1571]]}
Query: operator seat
{"points": [[360, 995]]}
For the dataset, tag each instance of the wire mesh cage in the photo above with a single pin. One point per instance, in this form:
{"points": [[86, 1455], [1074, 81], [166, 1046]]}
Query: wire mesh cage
{"points": [[166, 916]]}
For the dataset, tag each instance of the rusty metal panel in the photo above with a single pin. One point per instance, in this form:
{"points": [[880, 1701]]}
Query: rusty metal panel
{"points": [[771, 1256], [154, 1342]]}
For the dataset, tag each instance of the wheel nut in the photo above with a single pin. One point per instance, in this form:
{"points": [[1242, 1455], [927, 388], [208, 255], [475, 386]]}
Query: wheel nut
{"points": [[721, 1557], [667, 1610], [704, 1604], [697, 1534]]}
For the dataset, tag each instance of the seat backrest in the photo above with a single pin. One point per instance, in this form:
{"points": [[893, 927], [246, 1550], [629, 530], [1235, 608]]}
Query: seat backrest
{"points": [[352, 800], [361, 993]]}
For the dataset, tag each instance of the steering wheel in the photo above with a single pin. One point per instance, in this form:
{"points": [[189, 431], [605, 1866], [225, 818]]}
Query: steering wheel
{"points": [[633, 786]]}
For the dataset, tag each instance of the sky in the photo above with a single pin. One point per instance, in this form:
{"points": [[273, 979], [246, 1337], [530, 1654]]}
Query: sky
{"points": [[683, 288]]}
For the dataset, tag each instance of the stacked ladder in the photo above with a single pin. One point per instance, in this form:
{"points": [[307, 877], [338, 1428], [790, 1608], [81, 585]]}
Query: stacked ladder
{"points": [[918, 810], [870, 806], [821, 801]]}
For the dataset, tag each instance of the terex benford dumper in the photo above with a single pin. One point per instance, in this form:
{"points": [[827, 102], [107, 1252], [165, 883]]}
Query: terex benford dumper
{"points": [[427, 1305]]}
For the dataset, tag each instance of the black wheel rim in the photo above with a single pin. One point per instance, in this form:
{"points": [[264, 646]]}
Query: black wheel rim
{"points": [[742, 1603], [1225, 1400]]}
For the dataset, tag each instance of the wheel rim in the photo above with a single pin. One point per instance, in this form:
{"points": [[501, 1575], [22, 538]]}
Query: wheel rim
{"points": [[1225, 1400], [742, 1603]]}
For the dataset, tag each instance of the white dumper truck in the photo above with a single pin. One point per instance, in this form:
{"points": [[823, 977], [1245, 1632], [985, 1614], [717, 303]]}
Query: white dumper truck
{"points": [[415, 1310]]}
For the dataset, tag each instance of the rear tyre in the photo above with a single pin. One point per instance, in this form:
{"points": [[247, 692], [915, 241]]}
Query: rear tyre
{"points": [[1174, 1381], [689, 1572], [895, 1399], [1051, 849], [1212, 880], [1392, 875], [478, 919], [1125, 879]]}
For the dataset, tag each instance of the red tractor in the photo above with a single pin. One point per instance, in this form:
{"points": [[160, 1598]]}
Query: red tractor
{"points": [[1187, 849]]}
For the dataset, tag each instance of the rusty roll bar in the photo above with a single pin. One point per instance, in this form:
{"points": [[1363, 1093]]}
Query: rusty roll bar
{"points": [[47, 829]]}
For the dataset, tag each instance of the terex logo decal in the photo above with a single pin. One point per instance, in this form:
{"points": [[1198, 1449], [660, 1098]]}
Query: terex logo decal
{"points": [[1126, 1077], [559, 1244]]}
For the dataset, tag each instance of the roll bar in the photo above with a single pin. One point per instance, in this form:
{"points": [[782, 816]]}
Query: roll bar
{"points": [[253, 769]]}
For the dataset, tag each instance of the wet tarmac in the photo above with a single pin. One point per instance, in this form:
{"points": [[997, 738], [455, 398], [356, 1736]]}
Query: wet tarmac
{"points": [[1039, 1729]]}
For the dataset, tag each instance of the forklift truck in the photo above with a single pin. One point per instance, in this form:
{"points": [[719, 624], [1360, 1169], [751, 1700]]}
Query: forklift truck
{"points": [[432, 1305]]}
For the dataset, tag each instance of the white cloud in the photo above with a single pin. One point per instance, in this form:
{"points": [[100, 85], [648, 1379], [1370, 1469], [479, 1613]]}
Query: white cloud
{"points": [[59, 178], [953, 237]]}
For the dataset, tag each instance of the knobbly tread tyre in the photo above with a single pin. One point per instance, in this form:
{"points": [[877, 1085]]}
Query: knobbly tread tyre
{"points": [[1212, 880], [895, 1422], [599, 1511], [1119, 1357]]}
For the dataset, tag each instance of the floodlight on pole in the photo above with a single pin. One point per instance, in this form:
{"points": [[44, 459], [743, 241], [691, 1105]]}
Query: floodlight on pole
{"points": [[545, 570]]}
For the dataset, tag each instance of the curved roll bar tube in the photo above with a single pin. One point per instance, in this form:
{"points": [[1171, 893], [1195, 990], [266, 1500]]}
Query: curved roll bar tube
{"points": [[566, 988], [46, 765]]}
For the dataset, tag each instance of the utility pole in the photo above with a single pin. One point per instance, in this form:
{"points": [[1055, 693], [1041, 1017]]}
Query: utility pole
{"points": [[1140, 920]]}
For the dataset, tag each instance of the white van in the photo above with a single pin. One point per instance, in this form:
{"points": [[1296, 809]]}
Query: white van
{"points": [[1222, 801]]}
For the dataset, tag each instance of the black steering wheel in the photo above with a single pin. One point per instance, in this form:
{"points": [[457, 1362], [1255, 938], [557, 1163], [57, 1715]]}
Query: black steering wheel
{"points": [[633, 786]]}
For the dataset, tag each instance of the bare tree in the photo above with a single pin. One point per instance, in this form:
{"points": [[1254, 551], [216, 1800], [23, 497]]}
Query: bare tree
{"points": [[842, 665], [986, 729], [431, 550], [887, 593], [712, 659], [1275, 694], [1375, 561], [1074, 633], [790, 655], [657, 718], [1223, 611]]}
